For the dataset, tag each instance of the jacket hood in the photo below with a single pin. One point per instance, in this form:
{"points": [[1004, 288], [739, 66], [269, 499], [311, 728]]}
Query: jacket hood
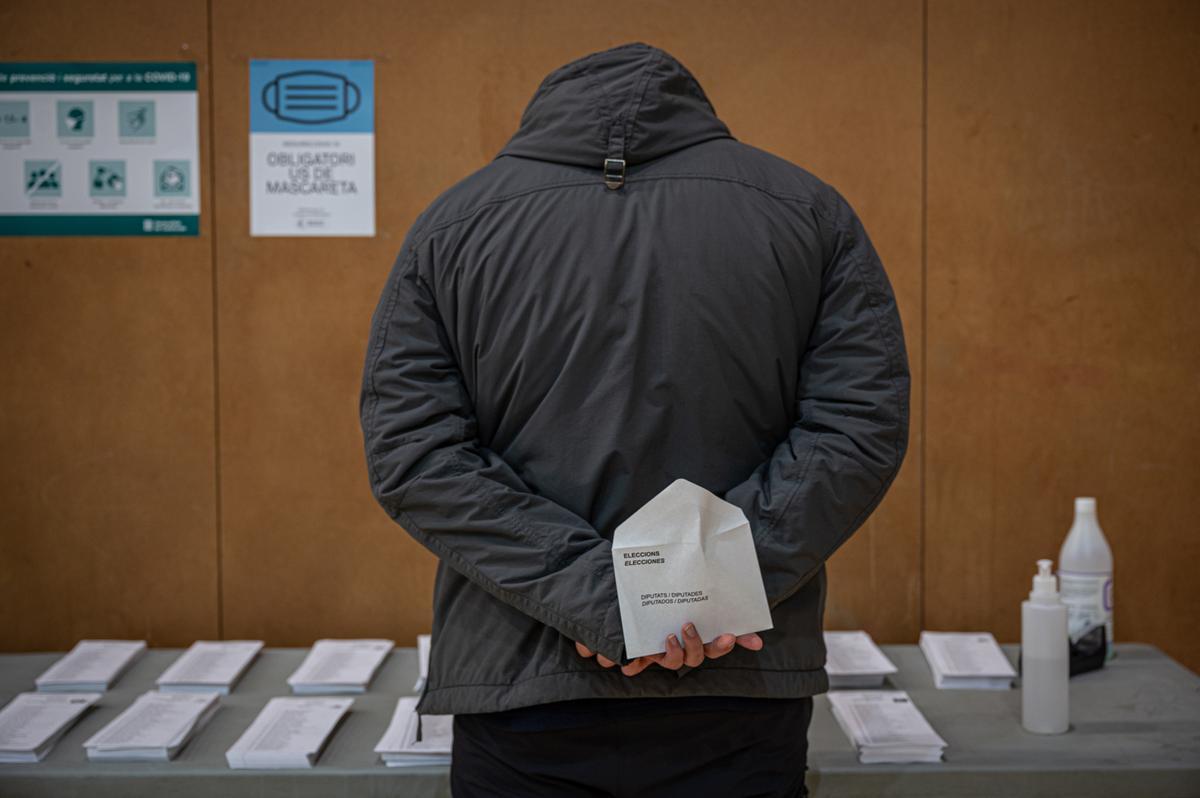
{"points": [[630, 103]]}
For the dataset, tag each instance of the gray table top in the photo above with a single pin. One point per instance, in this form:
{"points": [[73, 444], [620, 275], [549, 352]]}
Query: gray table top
{"points": [[1135, 730]]}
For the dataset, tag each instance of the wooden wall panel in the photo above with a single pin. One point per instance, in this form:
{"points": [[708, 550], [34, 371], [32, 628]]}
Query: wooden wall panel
{"points": [[1061, 219], [1063, 271], [107, 483], [306, 551]]}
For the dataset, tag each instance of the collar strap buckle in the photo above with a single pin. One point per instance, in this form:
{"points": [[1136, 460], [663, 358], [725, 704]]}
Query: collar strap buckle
{"points": [[614, 172]]}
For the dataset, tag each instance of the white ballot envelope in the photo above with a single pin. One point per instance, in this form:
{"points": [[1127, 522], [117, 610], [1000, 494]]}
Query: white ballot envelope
{"points": [[687, 555]]}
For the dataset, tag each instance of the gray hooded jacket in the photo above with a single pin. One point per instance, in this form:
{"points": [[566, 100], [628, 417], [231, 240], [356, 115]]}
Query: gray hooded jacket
{"points": [[625, 295]]}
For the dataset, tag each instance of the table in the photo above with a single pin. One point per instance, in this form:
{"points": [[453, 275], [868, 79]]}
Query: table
{"points": [[1135, 731]]}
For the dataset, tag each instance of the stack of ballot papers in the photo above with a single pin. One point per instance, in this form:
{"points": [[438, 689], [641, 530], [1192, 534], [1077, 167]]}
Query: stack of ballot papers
{"points": [[32, 723], [423, 644], [966, 661], [412, 739], [209, 666], [339, 666], [853, 660], [91, 667], [288, 733], [885, 726], [155, 727]]}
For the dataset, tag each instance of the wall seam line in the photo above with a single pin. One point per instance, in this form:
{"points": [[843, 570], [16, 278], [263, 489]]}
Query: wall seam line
{"points": [[212, 215], [924, 295]]}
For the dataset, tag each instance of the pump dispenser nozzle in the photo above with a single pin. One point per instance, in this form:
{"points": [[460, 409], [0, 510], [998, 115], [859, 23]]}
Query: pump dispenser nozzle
{"points": [[1045, 585]]}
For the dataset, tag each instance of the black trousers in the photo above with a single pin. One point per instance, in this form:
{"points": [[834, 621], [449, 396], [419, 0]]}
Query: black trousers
{"points": [[627, 748]]}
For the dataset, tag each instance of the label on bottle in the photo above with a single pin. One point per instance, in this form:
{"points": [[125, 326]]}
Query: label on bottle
{"points": [[1089, 601]]}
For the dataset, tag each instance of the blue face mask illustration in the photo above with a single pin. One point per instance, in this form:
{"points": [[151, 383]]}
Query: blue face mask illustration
{"points": [[311, 97]]}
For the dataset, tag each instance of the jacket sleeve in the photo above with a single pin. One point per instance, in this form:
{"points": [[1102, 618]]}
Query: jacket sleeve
{"points": [[850, 431], [461, 500]]}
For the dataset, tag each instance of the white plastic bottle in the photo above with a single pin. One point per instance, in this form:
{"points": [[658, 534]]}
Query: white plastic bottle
{"points": [[1045, 657], [1085, 570]]}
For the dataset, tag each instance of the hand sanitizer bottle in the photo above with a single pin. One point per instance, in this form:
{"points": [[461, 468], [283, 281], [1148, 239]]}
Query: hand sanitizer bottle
{"points": [[1085, 569], [1045, 657]]}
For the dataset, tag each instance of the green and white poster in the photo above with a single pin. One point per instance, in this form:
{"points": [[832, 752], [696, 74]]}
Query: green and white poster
{"points": [[99, 148]]}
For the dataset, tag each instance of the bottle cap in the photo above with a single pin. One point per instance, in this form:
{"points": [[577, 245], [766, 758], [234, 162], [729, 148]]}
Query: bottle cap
{"points": [[1045, 585], [1085, 504]]}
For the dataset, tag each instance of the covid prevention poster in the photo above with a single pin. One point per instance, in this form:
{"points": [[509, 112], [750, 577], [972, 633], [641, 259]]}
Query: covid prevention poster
{"points": [[312, 148], [99, 148]]}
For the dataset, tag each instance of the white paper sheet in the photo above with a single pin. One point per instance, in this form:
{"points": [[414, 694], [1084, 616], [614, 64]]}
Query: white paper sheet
{"points": [[155, 726], [288, 733], [424, 643], [966, 660], [853, 660], [339, 666], [31, 723], [92, 665], [399, 745], [209, 665], [885, 726], [687, 555]]}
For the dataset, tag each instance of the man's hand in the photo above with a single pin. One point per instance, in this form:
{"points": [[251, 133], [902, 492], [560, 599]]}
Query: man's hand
{"points": [[691, 653]]}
